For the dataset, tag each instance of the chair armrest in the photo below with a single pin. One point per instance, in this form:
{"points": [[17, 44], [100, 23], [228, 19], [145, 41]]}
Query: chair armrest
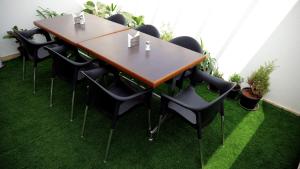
{"points": [[199, 76], [134, 95], [56, 51], [114, 96], [193, 108]]}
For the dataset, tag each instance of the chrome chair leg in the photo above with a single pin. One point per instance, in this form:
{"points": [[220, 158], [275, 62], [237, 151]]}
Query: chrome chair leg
{"points": [[23, 67], [84, 119], [159, 123], [222, 128], [72, 106], [34, 79], [51, 92], [200, 151], [149, 125], [108, 145]]}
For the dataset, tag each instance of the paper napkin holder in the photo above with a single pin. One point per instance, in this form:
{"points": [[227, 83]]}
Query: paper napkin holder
{"points": [[134, 40], [79, 18]]}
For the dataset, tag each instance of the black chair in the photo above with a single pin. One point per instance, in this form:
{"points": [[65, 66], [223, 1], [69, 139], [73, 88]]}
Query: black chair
{"points": [[150, 30], [194, 109], [33, 50], [189, 43], [67, 69], [118, 18], [122, 96]]}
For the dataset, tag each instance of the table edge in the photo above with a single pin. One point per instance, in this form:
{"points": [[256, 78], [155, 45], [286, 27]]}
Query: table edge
{"points": [[36, 23], [151, 83]]}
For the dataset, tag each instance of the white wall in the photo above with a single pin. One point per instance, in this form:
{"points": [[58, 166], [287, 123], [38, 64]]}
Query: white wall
{"points": [[283, 45], [22, 13], [240, 34]]}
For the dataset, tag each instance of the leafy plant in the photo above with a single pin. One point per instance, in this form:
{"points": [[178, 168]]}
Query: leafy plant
{"points": [[89, 7], [236, 78], [217, 73], [97, 9], [166, 33], [104, 11], [100, 9], [259, 79], [133, 21], [111, 9], [137, 21], [209, 64], [47, 13]]}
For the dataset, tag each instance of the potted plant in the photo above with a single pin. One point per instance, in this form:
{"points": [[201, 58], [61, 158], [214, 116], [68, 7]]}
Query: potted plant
{"points": [[217, 74], [209, 64], [46, 13], [100, 9], [258, 86], [166, 32], [235, 78], [95, 9]]}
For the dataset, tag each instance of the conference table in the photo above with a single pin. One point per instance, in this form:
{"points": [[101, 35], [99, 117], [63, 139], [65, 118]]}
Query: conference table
{"points": [[108, 41]]}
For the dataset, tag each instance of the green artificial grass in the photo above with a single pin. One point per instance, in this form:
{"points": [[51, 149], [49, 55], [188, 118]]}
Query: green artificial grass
{"points": [[33, 135]]}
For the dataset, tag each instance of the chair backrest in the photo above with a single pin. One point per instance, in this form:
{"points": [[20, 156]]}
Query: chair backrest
{"points": [[118, 18], [187, 42], [94, 84], [62, 66], [26, 42], [149, 29]]}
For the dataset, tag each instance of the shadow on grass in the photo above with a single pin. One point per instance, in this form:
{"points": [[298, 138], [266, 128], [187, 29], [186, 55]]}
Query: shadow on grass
{"points": [[275, 144]]}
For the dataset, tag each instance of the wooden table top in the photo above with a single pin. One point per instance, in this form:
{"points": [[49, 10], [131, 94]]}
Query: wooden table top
{"points": [[64, 28], [163, 62]]}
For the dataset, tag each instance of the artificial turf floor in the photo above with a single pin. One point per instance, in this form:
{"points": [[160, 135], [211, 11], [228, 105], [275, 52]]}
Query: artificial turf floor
{"points": [[33, 135]]}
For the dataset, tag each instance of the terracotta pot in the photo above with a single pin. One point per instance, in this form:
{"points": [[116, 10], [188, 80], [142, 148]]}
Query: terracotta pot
{"points": [[235, 92], [248, 100]]}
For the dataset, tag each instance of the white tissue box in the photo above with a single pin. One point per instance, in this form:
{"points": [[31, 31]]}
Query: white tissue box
{"points": [[79, 18], [133, 40]]}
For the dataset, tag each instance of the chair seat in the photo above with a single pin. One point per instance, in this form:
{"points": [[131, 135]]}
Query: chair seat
{"points": [[120, 88], [95, 73], [42, 53], [93, 70], [189, 97]]}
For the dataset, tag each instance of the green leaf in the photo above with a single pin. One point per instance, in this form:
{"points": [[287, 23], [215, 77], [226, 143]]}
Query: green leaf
{"points": [[88, 11], [90, 3], [40, 13]]}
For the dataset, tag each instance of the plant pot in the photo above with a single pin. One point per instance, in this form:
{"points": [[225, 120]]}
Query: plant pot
{"points": [[212, 87], [248, 100], [235, 92]]}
